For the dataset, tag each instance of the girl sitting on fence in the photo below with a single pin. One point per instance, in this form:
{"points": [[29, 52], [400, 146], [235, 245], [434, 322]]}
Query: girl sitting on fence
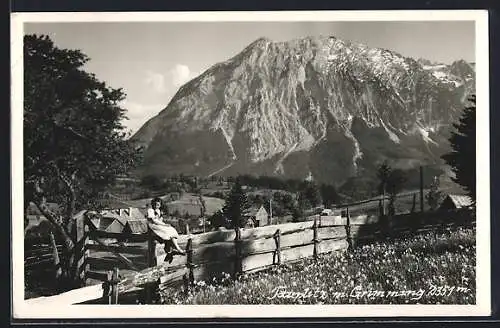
{"points": [[164, 232]]}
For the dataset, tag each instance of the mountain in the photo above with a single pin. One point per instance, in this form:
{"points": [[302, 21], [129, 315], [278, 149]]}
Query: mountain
{"points": [[317, 107]]}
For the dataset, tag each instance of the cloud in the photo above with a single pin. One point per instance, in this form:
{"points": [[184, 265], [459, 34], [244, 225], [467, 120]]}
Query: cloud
{"points": [[156, 81], [160, 88], [138, 114], [180, 74], [169, 82]]}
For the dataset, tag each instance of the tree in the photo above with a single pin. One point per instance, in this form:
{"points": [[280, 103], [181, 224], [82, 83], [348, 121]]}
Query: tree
{"points": [[395, 183], [359, 187], [434, 195], [462, 157], [203, 206], [298, 209], [217, 220], [235, 206], [152, 182], [329, 195], [383, 173], [297, 214], [164, 207], [176, 213], [391, 182], [74, 141], [312, 194]]}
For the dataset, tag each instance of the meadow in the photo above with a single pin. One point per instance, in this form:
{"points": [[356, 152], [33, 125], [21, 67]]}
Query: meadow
{"points": [[428, 268]]}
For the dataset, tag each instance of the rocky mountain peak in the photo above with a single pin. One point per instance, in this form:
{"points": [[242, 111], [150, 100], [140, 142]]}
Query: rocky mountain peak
{"points": [[315, 106]]}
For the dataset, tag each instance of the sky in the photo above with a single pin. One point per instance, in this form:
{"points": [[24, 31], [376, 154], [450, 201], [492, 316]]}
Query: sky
{"points": [[151, 60]]}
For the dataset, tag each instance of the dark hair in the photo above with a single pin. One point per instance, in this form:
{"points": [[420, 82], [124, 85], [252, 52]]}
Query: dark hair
{"points": [[156, 199]]}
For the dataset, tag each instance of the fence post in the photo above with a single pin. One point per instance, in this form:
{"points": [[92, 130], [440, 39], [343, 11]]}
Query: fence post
{"points": [[185, 281], [152, 262], [415, 221], [55, 256], [189, 277], [383, 220], [277, 240], [151, 291], [114, 286], [151, 248], [237, 258], [414, 204], [86, 254], [106, 288], [315, 238], [79, 251], [348, 229]]}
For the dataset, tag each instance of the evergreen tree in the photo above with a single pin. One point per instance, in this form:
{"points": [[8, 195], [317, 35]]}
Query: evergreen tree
{"points": [[298, 209], [391, 182], [434, 195], [176, 213], [310, 194], [235, 206], [383, 173], [395, 184], [329, 195], [462, 158], [218, 220]]}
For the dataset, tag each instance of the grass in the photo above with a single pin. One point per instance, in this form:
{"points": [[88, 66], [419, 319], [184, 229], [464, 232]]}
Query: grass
{"points": [[428, 268]]}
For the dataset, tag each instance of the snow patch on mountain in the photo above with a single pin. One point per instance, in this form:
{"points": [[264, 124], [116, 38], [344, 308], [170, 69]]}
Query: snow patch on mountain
{"points": [[229, 143], [357, 149], [443, 74], [391, 134], [424, 133], [279, 164]]}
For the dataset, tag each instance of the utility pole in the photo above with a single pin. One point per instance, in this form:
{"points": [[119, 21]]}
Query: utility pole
{"points": [[421, 189], [271, 209], [383, 199]]}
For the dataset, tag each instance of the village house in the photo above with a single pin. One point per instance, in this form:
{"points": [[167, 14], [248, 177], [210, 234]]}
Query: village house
{"points": [[34, 217], [135, 226], [455, 202], [116, 220], [256, 217]]}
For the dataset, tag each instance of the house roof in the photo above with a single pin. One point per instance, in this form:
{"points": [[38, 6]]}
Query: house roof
{"points": [[33, 209], [115, 226], [103, 219], [254, 210], [124, 214], [460, 200], [135, 214], [113, 215], [103, 223], [80, 214], [137, 226]]}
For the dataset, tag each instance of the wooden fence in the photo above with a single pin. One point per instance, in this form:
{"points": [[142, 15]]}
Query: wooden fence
{"points": [[40, 255], [237, 251]]}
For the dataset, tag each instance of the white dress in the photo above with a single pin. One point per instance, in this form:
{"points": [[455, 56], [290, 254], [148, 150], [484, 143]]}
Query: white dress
{"points": [[163, 230]]}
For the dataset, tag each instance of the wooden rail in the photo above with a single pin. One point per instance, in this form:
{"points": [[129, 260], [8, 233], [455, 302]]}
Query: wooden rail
{"points": [[216, 254]]}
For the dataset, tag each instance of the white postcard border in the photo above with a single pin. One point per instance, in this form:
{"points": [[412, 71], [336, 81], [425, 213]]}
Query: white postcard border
{"points": [[22, 309]]}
